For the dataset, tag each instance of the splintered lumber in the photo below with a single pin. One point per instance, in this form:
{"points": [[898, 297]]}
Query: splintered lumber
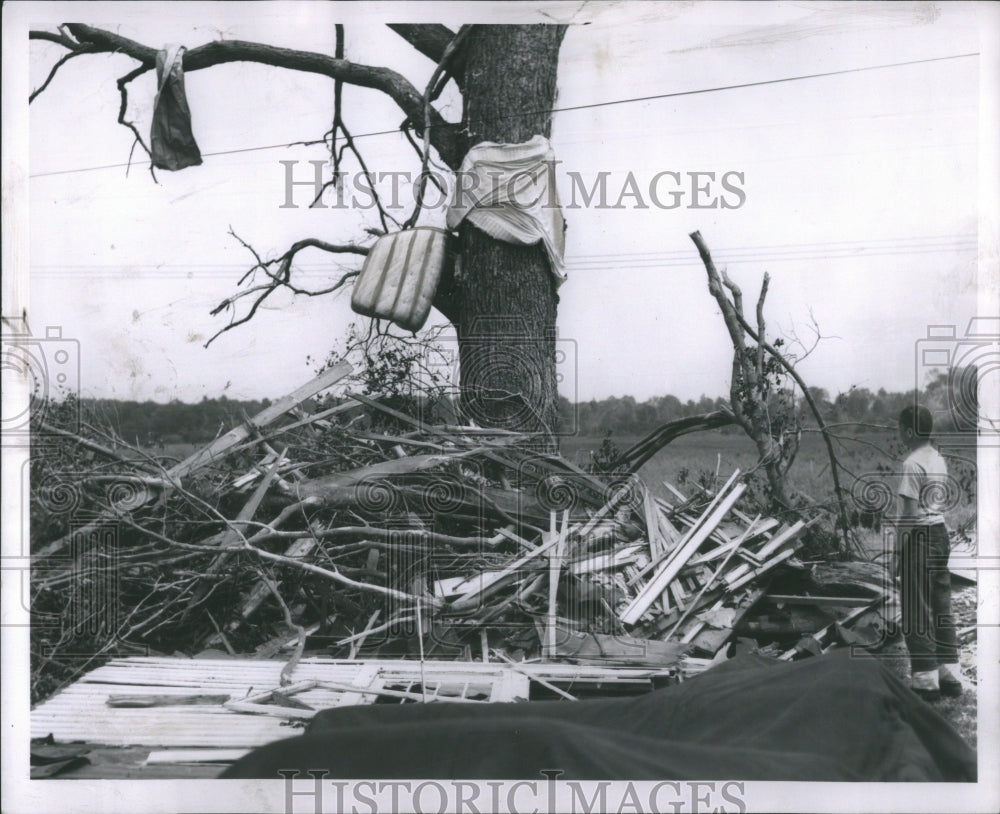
{"points": [[717, 631], [770, 548], [685, 550], [488, 582], [226, 442], [833, 601], [820, 635], [536, 678], [714, 576], [696, 527], [359, 643], [209, 454], [761, 528], [603, 562], [608, 649], [555, 566], [653, 535], [262, 590], [145, 701], [235, 529]]}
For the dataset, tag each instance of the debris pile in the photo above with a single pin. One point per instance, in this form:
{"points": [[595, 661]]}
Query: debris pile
{"points": [[357, 530]]}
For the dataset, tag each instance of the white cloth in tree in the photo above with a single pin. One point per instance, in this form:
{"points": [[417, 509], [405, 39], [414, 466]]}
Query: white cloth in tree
{"points": [[509, 191]]}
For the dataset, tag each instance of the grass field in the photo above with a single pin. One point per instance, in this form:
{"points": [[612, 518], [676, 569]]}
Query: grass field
{"points": [[868, 456]]}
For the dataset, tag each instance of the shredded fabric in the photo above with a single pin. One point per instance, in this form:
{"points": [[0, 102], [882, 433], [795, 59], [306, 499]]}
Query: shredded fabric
{"points": [[509, 191], [171, 141]]}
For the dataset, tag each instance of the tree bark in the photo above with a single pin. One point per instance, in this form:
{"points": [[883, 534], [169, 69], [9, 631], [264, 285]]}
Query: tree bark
{"points": [[506, 294]]}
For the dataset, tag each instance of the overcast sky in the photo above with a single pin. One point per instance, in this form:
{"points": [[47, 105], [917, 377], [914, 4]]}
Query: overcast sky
{"points": [[859, 190]]}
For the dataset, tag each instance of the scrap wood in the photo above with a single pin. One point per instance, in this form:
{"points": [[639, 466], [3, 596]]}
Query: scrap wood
{"points": [[602, 562], [685, 550], [712, 639], [555, 566], [756, 573], [487, 556], [587, 647], [718, 571], [143, 701], [234, 530], [533, 677], [817, 638], [261, 590], [359, 643], [703, 519], [770, 548]]}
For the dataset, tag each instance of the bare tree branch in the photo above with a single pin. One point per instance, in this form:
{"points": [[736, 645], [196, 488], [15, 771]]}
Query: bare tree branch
{"points": [[123, 108], [735, 321], [280, 277], [55, 69], [398, 88]]}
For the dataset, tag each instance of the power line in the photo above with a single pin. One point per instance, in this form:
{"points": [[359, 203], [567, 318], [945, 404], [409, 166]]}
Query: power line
{"points": [[832, 250], [569, 108]]}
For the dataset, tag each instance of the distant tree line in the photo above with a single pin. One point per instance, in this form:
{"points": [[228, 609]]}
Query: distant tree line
{"points": [[949, 395], [150, 423]]}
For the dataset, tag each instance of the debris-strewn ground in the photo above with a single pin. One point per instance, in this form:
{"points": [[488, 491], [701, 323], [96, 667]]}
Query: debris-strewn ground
{"points": [[360, 528]]}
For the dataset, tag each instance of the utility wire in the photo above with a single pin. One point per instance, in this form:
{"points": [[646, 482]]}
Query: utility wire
{"points": [[569, 108]]}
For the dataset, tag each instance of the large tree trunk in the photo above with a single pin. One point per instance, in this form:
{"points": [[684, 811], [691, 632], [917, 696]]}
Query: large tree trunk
{"points": [[506, 294]]}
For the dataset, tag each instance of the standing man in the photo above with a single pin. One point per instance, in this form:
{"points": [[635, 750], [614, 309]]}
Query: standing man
{"points": [[922, 544]]}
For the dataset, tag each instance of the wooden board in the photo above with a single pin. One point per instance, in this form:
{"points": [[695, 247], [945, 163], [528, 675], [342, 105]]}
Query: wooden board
{"points": [[81, 713]]}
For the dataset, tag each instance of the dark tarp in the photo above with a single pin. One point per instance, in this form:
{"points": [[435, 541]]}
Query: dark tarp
{"points": [[832, 718]]}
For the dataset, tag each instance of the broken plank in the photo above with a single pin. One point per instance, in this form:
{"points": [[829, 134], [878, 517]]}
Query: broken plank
{"points": [[819, 635], [711, 640], [769, 548], [145, 701], [616, 649], [682, 554], [474, 595], [708, 583], [162, 756], [838, 601], [555, 566], [535, 677], [703, 519]]}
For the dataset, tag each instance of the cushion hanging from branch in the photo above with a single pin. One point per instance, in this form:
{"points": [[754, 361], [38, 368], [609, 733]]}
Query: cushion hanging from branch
{"points": [[400, 276]]}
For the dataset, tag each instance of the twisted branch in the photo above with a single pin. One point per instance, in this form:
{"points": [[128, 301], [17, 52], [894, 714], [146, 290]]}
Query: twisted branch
{"points": [[280, 277]]}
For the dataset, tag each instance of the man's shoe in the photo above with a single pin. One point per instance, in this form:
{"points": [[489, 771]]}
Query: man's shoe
{"points": [[951, 689], [930, 696]]}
